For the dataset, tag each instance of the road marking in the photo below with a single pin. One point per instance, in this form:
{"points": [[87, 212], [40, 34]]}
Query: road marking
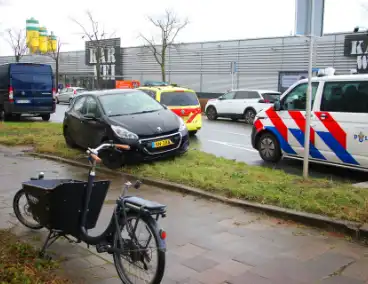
{"points": [[236, 133], [238, 146]]}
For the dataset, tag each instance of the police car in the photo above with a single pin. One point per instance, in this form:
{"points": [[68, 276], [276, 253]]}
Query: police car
{"points": [[339, 123]]}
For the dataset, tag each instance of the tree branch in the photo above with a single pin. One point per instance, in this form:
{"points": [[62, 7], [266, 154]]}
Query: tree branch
{"points": [[18, 42]]}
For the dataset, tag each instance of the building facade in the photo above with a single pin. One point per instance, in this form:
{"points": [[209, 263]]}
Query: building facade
{"points": [[266, 63]]}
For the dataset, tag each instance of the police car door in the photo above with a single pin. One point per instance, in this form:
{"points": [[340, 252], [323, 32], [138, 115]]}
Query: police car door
{"points": [[290, 120], [343, 122]]}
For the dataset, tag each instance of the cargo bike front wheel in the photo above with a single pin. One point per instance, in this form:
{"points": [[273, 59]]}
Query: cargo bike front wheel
{"points": [[27, 218]]}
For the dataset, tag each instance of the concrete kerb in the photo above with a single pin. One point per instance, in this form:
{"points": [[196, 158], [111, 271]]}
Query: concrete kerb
{"points": [[354, 229]]}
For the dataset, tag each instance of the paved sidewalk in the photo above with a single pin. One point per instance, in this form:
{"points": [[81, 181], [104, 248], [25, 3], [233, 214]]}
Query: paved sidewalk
{"points": [[208, 242]]}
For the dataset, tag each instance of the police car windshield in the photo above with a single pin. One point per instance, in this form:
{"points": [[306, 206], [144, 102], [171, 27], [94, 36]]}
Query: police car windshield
{"points": [[179, 98]]}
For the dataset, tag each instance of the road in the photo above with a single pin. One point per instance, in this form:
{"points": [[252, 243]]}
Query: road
{"points": [[231, 140]]}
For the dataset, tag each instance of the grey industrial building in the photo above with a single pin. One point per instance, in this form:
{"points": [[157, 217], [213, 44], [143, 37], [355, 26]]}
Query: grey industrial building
{"points": [[264, 63]]}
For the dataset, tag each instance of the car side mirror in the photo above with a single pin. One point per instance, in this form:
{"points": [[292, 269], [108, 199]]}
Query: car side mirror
{"points": [[221, 98], [277, 105]]}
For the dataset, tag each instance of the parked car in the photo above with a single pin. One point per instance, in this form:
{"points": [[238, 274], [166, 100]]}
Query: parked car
{"points": [[182, 101], [66, 95], [240, 104], [339, 123], [126, 116], [26, 88]]}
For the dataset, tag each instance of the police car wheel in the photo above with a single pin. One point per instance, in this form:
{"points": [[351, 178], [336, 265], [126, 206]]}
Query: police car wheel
{"points": [[269, 148]]}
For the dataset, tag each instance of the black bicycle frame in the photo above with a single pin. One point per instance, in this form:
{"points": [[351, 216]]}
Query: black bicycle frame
{"points": [[115, 222]]}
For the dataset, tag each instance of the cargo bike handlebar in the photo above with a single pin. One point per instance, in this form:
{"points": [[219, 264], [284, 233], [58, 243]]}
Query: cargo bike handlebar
{"points": [[70, 220]]}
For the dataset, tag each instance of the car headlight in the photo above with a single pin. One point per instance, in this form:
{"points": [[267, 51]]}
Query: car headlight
{"points": [[182, 126], [123, 133]]}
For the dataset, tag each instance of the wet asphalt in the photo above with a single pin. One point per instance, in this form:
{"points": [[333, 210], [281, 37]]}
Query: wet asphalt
{"points": [[232, 140]]}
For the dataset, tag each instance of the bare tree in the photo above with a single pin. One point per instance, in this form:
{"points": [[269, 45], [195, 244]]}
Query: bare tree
{"points": [[55, 55], [96, 34], [169, 26], [18, 42]]}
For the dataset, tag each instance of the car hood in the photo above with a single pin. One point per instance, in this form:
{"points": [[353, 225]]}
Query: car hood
{"points": [[146, 124]]}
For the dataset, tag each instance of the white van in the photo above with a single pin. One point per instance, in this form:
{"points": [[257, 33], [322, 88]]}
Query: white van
{"points": [[339, 123]]}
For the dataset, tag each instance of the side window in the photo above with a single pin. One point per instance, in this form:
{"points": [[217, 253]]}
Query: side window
{"points": [[297, 98], [228, 96], [241, 95], [69, 90], [149, 92], [92, 107], [345, 97], [79, 104], [253, 95], [63, 90]]}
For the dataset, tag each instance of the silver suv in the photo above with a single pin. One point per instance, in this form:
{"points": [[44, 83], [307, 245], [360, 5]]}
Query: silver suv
{"points": [[66, 95]]}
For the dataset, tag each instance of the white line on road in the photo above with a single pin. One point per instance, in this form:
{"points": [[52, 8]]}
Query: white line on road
{"points": [[236, 133], [233, 145]]}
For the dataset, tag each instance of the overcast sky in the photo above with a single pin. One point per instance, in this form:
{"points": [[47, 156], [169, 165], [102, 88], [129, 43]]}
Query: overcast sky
{"points": [[209, 19]]}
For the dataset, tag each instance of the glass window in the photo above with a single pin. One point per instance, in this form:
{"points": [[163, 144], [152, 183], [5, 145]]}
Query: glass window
{"points": [[179, 99], [241, 95], [125, 103], [92, 107], [297, 98], [253, 95], [79, 104], [149, 92], [228, 96], [26, 81], [345, 97], [271, 97]]}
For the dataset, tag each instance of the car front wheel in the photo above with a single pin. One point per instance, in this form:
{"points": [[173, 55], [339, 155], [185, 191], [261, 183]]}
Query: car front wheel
{"points": [[249, 116], [269, 148]]}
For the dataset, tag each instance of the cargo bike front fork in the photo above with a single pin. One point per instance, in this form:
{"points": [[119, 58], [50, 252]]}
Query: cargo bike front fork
{"points": [[128, 212]]}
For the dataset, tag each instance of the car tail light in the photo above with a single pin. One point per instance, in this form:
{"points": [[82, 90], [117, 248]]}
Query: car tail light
{"points": [[53, 92], [11, 97], [75, 92]]}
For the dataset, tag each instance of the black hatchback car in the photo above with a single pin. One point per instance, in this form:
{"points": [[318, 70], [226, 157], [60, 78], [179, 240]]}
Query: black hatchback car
{"points": [[128, 117]]}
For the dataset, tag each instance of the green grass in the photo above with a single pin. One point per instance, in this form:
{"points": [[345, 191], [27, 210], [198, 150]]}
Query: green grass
{"points": [[19, 263], [218, 175]]}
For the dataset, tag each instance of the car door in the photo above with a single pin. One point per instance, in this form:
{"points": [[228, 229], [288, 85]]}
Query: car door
{"points": [[343, 122], [289, 122], [92, 127], [240, 100], [225, 103], [74, 119]]}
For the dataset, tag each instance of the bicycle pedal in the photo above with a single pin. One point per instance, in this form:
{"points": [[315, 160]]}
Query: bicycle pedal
{"points": [[102, 248]]}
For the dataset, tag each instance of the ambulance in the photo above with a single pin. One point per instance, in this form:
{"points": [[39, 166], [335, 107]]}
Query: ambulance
{"points": [[182, 101], [339, 123]]}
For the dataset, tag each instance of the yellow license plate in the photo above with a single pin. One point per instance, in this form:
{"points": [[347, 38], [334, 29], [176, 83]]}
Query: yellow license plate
{"points": [[162, 143]]}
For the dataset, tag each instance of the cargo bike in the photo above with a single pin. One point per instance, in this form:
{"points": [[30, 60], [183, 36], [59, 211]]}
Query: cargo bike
{"points": [[69, 208]]}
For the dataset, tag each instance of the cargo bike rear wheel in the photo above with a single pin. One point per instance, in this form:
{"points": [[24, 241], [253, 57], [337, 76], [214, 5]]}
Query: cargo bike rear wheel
{"points": [[34, 225]]}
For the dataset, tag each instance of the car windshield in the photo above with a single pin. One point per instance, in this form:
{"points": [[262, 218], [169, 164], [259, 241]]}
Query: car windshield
{"points": [[179, 99], [126, 103], [272, 97]]}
